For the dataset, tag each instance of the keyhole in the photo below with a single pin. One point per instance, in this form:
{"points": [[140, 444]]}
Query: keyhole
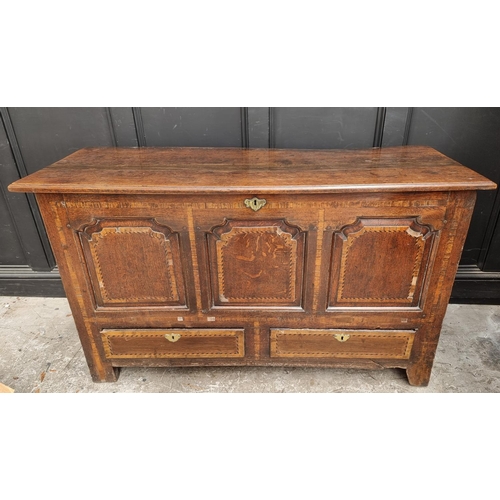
{"points": [[254, 203], [342, 337]]}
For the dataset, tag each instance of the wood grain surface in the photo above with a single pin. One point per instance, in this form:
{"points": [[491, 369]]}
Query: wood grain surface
{"points": [[346, 259], [222, 170]]}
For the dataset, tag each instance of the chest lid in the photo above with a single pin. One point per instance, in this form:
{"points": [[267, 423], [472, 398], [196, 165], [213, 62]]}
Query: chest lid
{"points": [[235, 170]]}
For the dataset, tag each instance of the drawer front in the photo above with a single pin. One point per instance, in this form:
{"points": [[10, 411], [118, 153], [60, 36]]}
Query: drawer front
{"points": [[305, 343], [173, 343]]}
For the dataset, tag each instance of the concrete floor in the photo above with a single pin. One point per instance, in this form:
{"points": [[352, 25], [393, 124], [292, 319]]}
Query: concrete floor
{"points": [[40, 352]]}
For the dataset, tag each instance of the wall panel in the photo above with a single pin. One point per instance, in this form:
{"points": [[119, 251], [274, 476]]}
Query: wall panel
{"points": [[471, 137], [201, 127], [31, 138], [323, 128]]}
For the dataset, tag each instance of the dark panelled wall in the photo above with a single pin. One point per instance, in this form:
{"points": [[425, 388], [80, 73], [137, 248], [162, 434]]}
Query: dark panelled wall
{"points": [[32, 138]]}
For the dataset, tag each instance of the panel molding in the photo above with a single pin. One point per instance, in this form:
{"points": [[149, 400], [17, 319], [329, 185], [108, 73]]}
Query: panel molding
{"points": [[379, 127], [272, 132], [123, 126], [348, 274], [14, 145], [111, 127], [139, 127], [237, 247], [406, 134], [474, 286], [492, 228], [22, 281], [118, 283], [245, 136], [32, 235], [475, 272]]}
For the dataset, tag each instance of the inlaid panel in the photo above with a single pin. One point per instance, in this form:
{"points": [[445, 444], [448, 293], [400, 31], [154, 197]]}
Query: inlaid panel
{"points": [[256, 263], [380, 262], [133, 262], [174, 343], [316, 343]]}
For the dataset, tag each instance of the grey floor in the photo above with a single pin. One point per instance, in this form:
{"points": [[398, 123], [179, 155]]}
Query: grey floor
{"points": [[40, 352]]}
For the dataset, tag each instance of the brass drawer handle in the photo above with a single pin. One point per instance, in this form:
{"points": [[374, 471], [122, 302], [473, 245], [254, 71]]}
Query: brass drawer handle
{"points": [[172, 337], [342, 337], [255, 203]]}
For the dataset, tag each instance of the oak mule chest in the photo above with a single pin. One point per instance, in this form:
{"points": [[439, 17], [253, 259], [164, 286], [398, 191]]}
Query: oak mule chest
{"points": [[230, 257]]}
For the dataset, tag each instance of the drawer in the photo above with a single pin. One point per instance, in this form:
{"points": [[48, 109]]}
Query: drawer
{"points": [[173, 343], [308, 343]]}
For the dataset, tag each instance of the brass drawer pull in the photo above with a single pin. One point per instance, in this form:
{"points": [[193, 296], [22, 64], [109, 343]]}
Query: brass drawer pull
{"points": [[255, 203], [172, 337], [342, 337]]}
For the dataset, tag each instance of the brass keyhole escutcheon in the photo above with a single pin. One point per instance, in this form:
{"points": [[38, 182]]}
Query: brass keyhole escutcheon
{"points": [[255, 203], [342, 337], [172, 337]]}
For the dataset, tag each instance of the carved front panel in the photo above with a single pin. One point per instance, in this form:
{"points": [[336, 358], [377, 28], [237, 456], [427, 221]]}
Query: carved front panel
{"points": [[380, 262], [133, 262], [256, 263]]}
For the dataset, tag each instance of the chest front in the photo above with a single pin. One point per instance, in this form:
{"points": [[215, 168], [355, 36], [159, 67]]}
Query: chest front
{"points": [[188, 273], [334, 280]]}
